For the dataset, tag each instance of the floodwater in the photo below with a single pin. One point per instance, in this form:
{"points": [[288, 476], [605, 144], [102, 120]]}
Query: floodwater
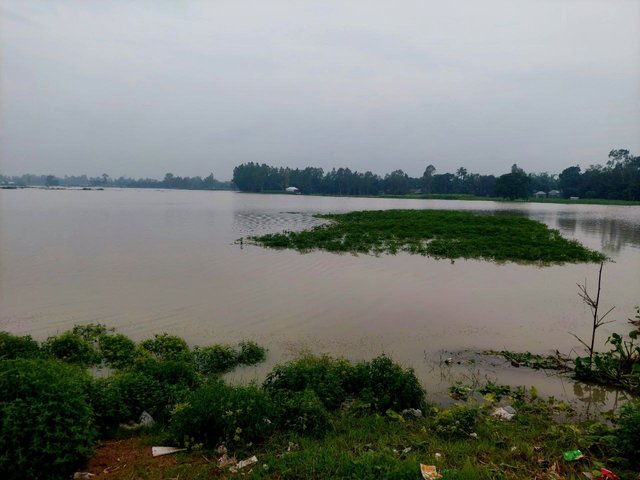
{"points": [[148, 261]]}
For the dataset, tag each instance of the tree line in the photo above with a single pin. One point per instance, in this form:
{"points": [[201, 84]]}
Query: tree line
{"points": [[169, 181], [618, 179]]}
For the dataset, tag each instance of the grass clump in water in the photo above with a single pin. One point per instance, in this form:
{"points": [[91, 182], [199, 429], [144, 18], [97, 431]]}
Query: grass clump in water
{"points": [[436, 233]]}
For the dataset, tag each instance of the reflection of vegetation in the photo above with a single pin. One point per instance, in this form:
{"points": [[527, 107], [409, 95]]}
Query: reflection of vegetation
{"points": [[441, 234]]}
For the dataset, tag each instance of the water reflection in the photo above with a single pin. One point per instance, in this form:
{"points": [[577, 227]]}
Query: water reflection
{"points": [[598, 398]]}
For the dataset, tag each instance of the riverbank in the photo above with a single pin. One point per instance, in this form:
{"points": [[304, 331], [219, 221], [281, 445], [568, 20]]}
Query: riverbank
{"points": [[313, 417]]}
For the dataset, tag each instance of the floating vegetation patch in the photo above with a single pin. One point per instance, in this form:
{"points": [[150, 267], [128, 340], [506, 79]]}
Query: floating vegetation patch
{"points": [[436, 233]]}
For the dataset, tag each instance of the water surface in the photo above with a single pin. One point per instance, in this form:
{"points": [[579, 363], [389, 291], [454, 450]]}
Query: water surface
{"points": [[148, 261]]}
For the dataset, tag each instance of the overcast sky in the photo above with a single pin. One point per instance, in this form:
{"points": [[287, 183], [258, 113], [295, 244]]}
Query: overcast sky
{"points": [[141, 88]]}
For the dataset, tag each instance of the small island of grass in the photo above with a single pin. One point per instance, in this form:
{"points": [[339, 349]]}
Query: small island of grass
{"points": [[438, 234]]}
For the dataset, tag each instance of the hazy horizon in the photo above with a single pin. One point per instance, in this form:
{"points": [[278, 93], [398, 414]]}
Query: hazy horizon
{"points": [[139, 89]]}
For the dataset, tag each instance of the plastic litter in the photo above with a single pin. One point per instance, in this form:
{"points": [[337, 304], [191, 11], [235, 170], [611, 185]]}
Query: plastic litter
{"points": [[608, 474], [572, 455], [504, 413], [411, 412], [82, 475], [429, 472], [244, 463], [146, 420], [159, 451]]}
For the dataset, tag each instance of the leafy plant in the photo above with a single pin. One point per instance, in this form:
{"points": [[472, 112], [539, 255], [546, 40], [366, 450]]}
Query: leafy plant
{"points": [[456, 422], [117, 351], [251, 353], [386, 385], [329, 378], [218, 413], [167, 347], [303, 413], [46, 425], [13, 347], [440, 234], [215, 359], [72, 348], [628, 433]]}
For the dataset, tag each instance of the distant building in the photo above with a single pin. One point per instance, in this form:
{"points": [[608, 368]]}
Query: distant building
{"points": [[540, 194], [554, 193], [292, 190]]}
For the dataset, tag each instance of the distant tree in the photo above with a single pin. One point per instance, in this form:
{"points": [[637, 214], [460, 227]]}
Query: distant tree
{"points": [[569, 181], [51, 181], [427, 178], [513, 185]]}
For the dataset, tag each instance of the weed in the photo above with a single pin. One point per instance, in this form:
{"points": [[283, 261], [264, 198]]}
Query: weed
{"points": [[440, 234]]}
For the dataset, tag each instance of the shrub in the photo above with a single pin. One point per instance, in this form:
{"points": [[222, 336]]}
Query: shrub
{"points": [[71, 348], [628, 433], [109, 406], [167, 347], [215, 359], [251, 353], [326, 376], [12, 347], [218, 413], [118, 351], [45, 420], [456, 422], [136, 392], [386, 385], [303, 413], [91, 332]]}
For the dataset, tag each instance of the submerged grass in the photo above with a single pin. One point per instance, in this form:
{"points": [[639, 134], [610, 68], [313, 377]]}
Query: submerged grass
{"points": [[436, 233]]}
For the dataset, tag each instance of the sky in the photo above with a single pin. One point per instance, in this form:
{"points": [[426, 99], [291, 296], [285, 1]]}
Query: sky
{"points": [[141, 88]]}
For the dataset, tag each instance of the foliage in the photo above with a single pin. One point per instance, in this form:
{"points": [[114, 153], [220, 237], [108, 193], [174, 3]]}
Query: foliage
{"points": [[117, 351], [135, 392], [218, 413], [456, 422], [620, 366], [167, 347], [386, 385], [513, 185], [441, 234], [329, 378], [303, 413], [215, 359], [628, 433], [45, 421], [532, 360], [378, 385], [13, 347], [251, 353], [72, 348]]}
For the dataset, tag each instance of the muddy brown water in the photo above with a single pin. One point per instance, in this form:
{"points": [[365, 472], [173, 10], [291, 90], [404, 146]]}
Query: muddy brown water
{"points": [[148, 261]]}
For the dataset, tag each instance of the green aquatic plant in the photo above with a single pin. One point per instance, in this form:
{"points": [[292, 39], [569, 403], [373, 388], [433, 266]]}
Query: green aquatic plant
{"points": [[436, 233]]}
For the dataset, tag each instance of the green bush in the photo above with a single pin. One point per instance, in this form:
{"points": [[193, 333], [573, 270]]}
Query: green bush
{"points": [[251, 353], [303, 413], [167, 347], [628, 433], [218, 413], [91, 332], [215, 359], [135, 392], [386, 385], [13, 347], [456, 422], [117, 351], [45, 421], [326, 376], [109, 406], [72, 348]]}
